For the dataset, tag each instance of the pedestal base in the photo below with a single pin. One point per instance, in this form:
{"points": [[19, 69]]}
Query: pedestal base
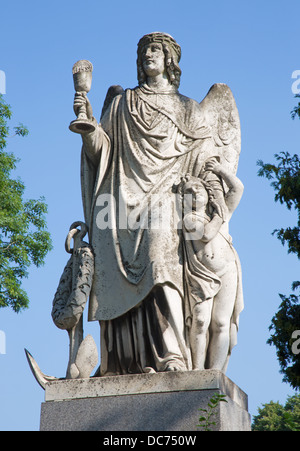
{"points": [[145, 402]]}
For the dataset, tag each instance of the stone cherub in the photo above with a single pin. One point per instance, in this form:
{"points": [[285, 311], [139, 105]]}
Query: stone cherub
{"points": [[212, 269]]}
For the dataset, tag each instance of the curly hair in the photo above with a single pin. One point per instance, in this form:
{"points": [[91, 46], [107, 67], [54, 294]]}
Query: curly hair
{"points": [[216, 200], [172, 57]]}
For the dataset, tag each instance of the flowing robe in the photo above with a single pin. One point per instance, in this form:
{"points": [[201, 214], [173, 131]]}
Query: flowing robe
{"points": [[150, 140]]}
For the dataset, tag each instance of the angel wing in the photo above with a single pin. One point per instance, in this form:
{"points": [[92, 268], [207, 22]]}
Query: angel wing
{"points": [[221, 113], [112, 92]]}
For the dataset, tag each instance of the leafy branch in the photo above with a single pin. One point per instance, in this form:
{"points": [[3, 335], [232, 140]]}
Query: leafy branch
{"points": [[205, 420]]}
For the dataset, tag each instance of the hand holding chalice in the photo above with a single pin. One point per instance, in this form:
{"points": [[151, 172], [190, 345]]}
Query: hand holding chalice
{"points": [[82, 77]]}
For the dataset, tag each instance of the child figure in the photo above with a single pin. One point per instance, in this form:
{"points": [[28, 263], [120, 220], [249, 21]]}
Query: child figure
{"points": [[212, 269]]}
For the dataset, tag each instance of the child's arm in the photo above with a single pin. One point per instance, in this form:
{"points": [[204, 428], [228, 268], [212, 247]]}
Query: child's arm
{"points": [[197, 231], [236, 188], [194, 226], [212, 228]]}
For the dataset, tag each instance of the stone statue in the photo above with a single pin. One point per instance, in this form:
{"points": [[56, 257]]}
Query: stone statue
{"points": [[70, 300], [68, 305], [147, 139], [212, 274], [167, 299]]}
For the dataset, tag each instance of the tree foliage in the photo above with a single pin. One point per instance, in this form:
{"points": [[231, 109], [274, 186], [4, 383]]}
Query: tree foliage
{"points": [[285, 179], [24, 239], [276, 417], [296, 111], [285, 322], [284, 176]]}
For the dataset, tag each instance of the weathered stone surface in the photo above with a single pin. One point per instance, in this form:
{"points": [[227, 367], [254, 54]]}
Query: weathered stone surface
{"points": [[146, 402], [155, 291]]}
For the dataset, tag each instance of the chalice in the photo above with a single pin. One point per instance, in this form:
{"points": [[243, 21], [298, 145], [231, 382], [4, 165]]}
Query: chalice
{"points": [[82, 77]]}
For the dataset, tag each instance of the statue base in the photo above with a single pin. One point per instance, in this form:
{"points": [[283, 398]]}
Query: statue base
{"points": [[167, 401]]}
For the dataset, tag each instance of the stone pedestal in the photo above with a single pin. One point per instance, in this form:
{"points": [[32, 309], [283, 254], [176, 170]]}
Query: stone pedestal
{"points": [[144, 402]]}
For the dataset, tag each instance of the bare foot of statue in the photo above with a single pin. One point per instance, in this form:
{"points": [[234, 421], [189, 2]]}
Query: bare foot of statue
{"points": [[173, 367]]}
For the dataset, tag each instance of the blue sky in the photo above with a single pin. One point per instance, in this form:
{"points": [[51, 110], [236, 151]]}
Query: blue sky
{"points": [[251, 46]]}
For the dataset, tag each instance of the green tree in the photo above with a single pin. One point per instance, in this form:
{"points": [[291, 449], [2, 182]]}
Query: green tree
{"points": [[296, 111], [284, 323], [24, 239], [285, 179], [284, 176], [276, 417]]}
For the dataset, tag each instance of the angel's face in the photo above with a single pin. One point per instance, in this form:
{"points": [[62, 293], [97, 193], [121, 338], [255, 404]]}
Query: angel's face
{"points": [[153, 59], [195, 195]]}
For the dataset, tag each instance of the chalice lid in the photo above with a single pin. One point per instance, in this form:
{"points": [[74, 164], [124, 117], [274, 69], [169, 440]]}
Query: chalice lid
{"points": [[82, 66]]}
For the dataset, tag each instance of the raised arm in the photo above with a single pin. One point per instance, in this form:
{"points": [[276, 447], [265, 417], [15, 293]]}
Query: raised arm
{"points": [[212, 228], [92, 142], [236, 187]]}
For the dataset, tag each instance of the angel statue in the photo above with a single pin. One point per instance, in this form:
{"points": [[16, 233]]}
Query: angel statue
{"points": [[149, 138]]}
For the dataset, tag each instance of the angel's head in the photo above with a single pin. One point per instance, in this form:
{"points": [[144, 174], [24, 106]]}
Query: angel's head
{"points": [[159, 49]]}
